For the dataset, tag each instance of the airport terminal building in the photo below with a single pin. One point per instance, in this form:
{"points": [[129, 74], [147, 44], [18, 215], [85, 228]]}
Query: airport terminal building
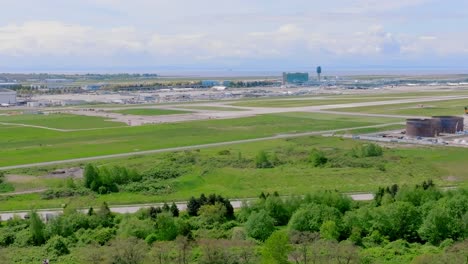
{"points": [[295, 77], [7, 96]]}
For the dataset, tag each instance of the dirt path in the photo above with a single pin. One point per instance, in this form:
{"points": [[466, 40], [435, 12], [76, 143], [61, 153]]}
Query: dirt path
{"points": [[24, 192]]}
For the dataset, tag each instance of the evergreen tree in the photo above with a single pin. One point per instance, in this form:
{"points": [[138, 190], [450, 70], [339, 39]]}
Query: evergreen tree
{"points": [[165, 207], [90, 176], [192, 206], [36, 227], [174, 210]]}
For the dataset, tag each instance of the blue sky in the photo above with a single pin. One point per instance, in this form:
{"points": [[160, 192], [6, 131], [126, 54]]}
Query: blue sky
{"points": [[261, 35]]}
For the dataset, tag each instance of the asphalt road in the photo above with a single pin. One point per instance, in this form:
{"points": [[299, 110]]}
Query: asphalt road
{"points": [[124, 209]]}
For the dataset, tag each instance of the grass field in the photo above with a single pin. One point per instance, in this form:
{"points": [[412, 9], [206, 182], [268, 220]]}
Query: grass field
{"points": [[59, 121], [307, 102], [213, 108], [451, 107], [294, 176], [150, 111], [22, 145]]}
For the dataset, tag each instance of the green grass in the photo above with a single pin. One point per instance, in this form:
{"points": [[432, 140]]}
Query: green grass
{"points": [[60, 121], [403, 165], [22, 145], [212, 108], [449, 107], [150, 111], [305, 102]]}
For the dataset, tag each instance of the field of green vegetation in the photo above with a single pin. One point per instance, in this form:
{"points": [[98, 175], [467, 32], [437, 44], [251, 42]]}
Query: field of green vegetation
{"points": [[212, 108], [304, 102], [150, 111], [58, 121], [451, 107], [232, 171], [22, 145]]}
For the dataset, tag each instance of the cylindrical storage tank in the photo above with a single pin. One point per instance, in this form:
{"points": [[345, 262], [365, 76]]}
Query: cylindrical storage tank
{"points": [[420, 128], [450, 124]]}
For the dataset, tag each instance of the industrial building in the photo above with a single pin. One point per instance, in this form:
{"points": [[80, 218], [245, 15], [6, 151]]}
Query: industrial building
{"points": [[295, 77], [92, 87], [434, 126], [7, 96]]}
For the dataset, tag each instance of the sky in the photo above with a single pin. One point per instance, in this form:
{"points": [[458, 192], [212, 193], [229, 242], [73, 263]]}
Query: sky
{"points": [[238, 35]]}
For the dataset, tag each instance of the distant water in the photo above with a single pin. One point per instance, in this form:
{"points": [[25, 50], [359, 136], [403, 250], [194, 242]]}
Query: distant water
{"points": [[331, 72], [326, 71]]}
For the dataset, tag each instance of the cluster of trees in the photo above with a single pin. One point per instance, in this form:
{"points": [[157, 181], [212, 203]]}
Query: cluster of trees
{"points": [[402, 224], [213, 203], [105, 180]]}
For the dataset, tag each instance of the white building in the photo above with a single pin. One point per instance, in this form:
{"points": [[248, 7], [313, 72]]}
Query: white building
{"points": [[7, 96]]}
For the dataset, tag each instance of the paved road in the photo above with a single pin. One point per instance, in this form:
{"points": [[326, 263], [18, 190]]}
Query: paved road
{"points": [[130, 209], [120, 155]]}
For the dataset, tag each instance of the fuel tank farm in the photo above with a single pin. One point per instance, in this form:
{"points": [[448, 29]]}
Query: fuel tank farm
{"points": [[433, 127]]}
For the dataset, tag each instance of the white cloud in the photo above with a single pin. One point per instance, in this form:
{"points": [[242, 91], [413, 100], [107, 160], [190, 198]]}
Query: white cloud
{"points": [[288, 40], [55, 38]]}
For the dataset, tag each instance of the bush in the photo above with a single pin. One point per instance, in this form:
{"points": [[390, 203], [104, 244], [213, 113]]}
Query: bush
{"points": [[64, 192], [165, 171], [134, 227], [103, 235], [367, 150], [6, 187], [148, 187], [311, 217], [7, 237], [56, 246], [166, 228], [318, 158], [262, 160], [211, 214], [260, 225], [23, 238]]}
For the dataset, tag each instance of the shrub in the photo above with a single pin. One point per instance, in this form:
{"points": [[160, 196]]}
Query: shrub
{"points": [[134, 227], [224, 152], [262, 161], [166, 229], [260, 225], [56, 246], [367, 150], [211, 214], [165, 171], [318, 158]]}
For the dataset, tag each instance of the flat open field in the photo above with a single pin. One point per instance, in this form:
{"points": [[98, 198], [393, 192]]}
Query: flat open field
{"points": [[230, 171], [212, 108], [312, 101], [150, 111], [22, 145], [452, 107], [58, 121]]}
